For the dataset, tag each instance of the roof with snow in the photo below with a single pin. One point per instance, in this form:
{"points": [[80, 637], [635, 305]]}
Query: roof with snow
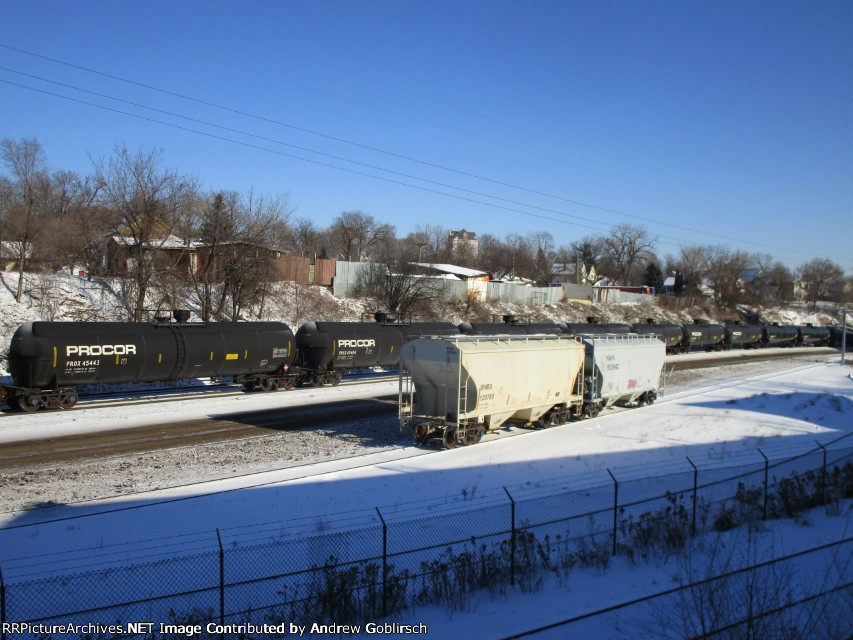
{"points": [[460, 272]]}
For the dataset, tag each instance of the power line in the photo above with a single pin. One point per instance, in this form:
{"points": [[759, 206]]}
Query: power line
{"points": [[389, 153], [340, 158]]}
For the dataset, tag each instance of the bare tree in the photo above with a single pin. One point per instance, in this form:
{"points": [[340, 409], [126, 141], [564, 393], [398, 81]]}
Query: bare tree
{"points": [[25, 201], [80, 226], [306, 237], [398, 289], [688, 267], [627, 248], [543, 262], [821, 279], [355, 231], [587, 251], [724, 268], [145, 200]]}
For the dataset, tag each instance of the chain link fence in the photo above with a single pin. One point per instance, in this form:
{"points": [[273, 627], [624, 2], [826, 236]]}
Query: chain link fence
{"points": [[441, 557]]}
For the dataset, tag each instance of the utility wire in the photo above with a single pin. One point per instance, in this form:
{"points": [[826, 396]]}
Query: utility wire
{"points": [[389, 153], [343, 159]]}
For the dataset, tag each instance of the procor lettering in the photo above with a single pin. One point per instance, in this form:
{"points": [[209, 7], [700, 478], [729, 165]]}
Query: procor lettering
{"points": [[349, 344], [101, 350]]}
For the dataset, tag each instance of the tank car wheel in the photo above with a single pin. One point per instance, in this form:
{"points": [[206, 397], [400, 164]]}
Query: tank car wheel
{"points": [[335, 378], [68, 400], [286, 384], [319, 380], [449, 439], [268, 384], [29, 403], [421, 433]]}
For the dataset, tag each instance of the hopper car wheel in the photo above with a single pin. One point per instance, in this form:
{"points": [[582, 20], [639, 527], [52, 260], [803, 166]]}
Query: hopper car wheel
{"points": [[68, 400], [29, 403], [421, 433], [450, 438], [473, 436], [268, 384]]}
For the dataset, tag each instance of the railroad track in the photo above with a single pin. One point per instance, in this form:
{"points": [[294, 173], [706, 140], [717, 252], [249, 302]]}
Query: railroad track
{"points": [[258, 424]]}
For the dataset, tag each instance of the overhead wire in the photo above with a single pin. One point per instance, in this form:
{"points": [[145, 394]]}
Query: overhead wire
{"points": [[367, 165], [392, 154]]}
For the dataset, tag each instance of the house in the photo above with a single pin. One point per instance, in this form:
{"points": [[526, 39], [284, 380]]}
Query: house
{"points": [[10, 254], [122, 252], [463, 243]]}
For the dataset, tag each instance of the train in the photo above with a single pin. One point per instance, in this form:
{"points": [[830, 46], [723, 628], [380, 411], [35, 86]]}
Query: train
{"points": [[459, 388], [49, 361]]}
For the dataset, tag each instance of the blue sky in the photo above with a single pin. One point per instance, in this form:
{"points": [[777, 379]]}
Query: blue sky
{"points": [[706, 122]]}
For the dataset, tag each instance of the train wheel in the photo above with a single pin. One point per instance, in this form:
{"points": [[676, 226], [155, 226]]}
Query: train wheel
{"points": [[450, 439], [421, 433], [286, 384], [268, 384], [319, 380], [29, 403], [335, 378], [473, 436], [68, 400]]}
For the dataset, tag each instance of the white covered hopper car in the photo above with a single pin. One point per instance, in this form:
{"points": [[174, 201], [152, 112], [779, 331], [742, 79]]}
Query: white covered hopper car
{"points": [[621, 369], [460, 387]]}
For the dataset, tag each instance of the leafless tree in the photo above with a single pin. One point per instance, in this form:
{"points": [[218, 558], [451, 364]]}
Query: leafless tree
{"points": [[397, 288], [587, 251], [627, 248], [724, 269], [145, 200], [821, 279], [353, 232], [306, 237], [687, 268], [25, 202], [79, 227]]}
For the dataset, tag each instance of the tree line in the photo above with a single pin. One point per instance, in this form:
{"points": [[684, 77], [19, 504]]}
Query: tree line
{"points": [[223, 242]]}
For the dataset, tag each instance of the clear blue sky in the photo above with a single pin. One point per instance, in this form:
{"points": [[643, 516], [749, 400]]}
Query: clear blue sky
{"points": [[707, 122]]}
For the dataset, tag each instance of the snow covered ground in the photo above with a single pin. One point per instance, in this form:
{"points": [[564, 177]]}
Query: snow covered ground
{"points": [[720, 422], [144, 508]]}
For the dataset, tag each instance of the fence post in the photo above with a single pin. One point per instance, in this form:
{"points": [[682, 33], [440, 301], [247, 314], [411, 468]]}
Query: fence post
{"points": [[511, 538], [695, 489], [766, 472], [221, 585], [615, 507], [384, 564], [822, 475]]}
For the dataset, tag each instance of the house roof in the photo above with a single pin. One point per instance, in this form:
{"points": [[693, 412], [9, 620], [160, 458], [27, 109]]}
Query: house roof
{"points": [[460, 272]]}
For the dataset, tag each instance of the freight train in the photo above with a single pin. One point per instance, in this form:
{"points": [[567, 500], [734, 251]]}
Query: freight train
{"points": [[458, 388], [48, 361]]}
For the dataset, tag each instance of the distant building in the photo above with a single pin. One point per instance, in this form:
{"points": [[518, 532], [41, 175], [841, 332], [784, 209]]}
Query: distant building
{"points": [[464, 243]]}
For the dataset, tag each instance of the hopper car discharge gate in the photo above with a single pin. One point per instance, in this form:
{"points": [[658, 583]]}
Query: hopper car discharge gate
{"points": [[459, 388]]}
